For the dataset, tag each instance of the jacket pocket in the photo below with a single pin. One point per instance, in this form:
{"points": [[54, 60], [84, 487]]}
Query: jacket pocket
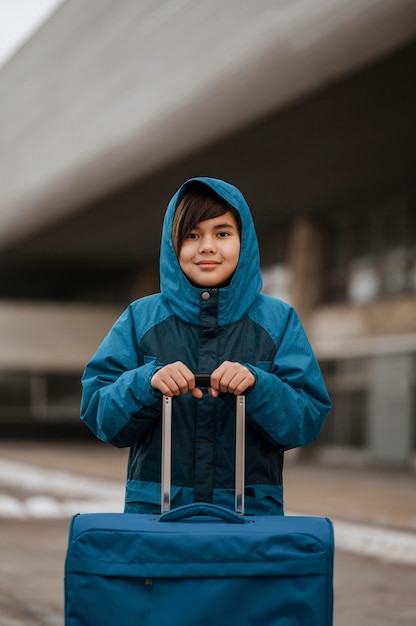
{"points": [[264, 499]]}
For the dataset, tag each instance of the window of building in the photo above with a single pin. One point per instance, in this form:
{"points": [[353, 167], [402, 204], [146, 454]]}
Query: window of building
{"points": [[276, 281], [39, 396], [63, 395], [347, 383], [275, 269], [372, 252], [14, 391]]}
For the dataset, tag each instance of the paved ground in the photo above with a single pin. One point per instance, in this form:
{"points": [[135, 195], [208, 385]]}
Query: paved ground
{"points": [[369, 591]]}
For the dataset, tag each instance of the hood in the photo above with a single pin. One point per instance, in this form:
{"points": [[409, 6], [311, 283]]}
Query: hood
{"points": [[233, 300]]}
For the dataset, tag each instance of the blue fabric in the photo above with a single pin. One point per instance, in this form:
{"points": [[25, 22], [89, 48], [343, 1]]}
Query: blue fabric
{"points": [[133, 569], [286, 408], [144, 497]]}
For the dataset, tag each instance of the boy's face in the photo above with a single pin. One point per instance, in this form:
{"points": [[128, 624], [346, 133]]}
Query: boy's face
{"points": [[209, 254]]}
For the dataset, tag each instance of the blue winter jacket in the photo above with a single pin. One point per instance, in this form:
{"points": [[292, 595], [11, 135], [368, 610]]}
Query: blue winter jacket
{"points": [[202, 328]]}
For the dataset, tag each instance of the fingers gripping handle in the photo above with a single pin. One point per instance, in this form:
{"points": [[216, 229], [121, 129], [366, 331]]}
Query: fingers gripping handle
{"points": [[203, 380]]}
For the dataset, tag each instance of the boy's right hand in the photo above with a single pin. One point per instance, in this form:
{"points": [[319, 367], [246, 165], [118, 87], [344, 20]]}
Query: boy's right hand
{"points": [[175, 379]]}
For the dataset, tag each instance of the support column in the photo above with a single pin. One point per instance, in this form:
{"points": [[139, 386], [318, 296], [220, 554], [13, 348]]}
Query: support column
{"points": [[306, 258]]}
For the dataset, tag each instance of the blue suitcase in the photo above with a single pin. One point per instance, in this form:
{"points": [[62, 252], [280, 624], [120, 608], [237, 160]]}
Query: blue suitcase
{"points": [[199, 565]]}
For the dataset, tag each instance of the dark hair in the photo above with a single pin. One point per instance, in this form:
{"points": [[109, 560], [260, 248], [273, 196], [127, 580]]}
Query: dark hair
{"points": [[198, 203]]}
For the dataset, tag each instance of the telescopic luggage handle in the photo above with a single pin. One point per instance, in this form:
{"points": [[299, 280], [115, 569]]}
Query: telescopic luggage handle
{"points": [[203, 380]]}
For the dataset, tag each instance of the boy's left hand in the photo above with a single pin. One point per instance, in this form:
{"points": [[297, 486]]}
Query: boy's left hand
{"points": [[231, 377]]}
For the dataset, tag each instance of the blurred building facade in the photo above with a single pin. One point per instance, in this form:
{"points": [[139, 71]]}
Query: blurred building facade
{"points": [[309, 110]]}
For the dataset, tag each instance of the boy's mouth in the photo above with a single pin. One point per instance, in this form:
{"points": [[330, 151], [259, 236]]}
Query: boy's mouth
{"points": [[207, 264]]}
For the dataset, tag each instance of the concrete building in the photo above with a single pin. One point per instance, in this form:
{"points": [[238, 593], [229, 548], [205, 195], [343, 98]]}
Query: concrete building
{"points": [[308, 107]]}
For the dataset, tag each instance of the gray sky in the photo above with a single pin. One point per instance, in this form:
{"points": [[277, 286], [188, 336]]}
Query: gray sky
{"points": [[19, 20]]}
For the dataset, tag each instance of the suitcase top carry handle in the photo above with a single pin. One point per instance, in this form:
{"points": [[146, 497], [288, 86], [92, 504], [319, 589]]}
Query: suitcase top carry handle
{"points": [[203, 380], [202, 509]]}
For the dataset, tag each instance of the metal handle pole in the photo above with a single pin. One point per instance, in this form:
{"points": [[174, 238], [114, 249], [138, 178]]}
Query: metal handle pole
{"points": [[166, 470], [240, 447]]}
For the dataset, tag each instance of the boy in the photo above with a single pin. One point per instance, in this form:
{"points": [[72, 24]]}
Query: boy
{"points": [[209, 317]]}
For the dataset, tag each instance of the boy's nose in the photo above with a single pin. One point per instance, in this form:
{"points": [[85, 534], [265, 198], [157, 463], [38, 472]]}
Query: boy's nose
{"points": [[207, 244]]}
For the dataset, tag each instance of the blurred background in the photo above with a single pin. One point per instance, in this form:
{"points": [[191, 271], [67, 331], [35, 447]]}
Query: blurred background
{"points": [[308, 107]]}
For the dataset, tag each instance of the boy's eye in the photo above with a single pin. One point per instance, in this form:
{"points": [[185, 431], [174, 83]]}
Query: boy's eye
{"points": [[192, 236], [223, 234]]}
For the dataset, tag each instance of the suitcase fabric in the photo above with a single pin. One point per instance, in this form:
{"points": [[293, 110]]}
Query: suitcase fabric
{"points": [[199, 565]]}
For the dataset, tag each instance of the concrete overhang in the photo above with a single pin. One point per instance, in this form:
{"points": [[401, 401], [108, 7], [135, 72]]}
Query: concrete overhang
{"points": [[107, 93]]}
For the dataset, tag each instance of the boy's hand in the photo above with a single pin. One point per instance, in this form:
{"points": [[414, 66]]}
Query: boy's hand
{"points": [[174, 379], [231, 378]]}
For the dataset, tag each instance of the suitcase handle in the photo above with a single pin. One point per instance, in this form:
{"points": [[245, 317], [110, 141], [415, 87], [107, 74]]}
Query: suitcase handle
{"points": [[203, 380], [202, 508]]}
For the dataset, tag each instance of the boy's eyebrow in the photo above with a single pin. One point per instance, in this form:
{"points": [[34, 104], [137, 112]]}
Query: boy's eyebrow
{"points": [[219, 226], [225, 225]]}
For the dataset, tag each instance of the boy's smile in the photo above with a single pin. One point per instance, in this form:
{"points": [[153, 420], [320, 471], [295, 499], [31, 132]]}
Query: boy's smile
{"points": [[209, 254]]}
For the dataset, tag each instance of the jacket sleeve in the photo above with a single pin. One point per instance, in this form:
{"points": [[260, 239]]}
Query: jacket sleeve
{"points": [[118, 402], [289, 402]]}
